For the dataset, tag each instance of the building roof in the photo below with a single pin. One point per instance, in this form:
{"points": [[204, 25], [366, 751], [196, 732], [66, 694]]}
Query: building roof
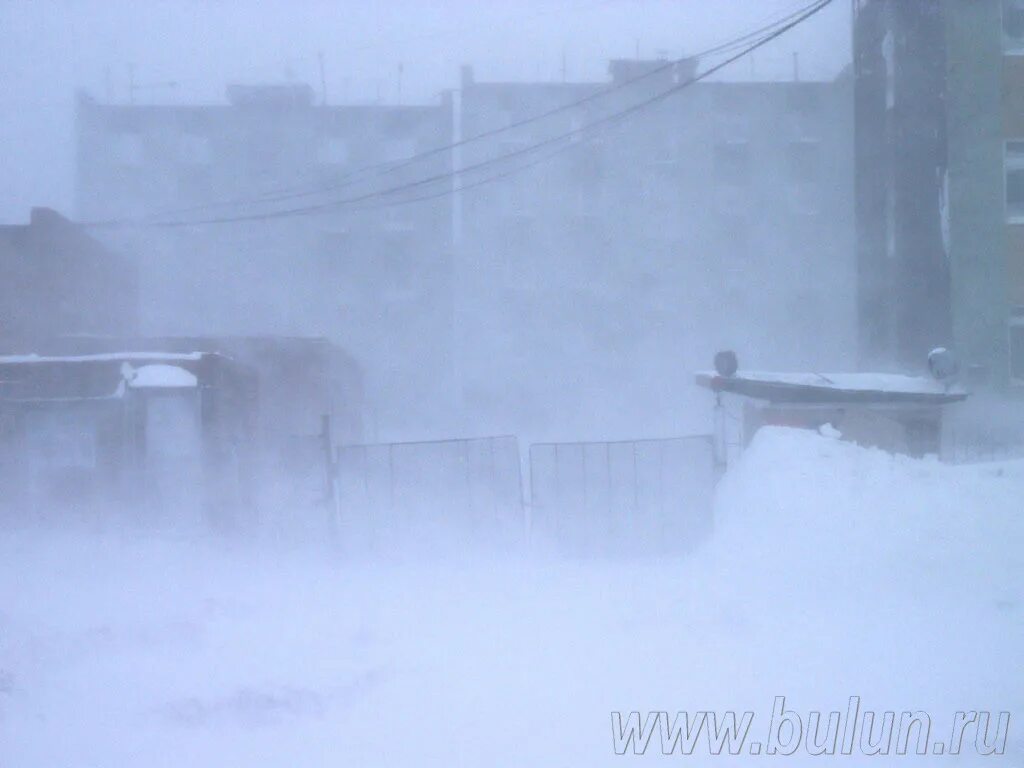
{"points": [[833, 389], [106, 357]]}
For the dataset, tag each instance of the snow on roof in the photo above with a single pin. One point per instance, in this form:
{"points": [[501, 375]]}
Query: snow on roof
{"points": [[113, 356], [160, 375], [862, 387]]}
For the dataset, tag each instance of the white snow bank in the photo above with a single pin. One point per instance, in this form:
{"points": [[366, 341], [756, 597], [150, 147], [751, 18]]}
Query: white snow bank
{"points": [[162, 375], [834, 571]]}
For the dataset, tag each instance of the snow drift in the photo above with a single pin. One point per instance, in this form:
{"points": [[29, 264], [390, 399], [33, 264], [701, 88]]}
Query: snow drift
{"points": [[833, 571]]}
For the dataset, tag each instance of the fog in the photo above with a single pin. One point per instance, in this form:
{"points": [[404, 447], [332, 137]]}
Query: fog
{"points": [[444, 382]]}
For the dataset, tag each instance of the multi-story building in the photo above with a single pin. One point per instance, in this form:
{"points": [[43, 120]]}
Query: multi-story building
{"points": [[374, 279], [599, 278], [576, 296], [940, 183], [59, 280]]}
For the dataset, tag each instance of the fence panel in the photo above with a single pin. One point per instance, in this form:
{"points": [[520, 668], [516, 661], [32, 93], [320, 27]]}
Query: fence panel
{"points": [[431, 496], [983, 429], [636, 496]]}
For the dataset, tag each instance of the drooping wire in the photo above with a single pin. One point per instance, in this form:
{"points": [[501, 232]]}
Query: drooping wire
{"points": [[602, 122]]}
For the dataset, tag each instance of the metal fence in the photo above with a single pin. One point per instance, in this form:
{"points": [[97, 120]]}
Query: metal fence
{"points": [[635, 496], [983, 431], [430, 496]]}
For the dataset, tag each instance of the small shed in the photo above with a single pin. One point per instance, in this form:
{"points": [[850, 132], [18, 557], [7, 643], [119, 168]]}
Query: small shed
{"points": [[898, 413], [137, 431]]}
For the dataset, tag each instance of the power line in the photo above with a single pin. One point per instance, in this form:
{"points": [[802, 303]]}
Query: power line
{"points": [[799, 18], [303, 190], [353, 177], [388, 168]]}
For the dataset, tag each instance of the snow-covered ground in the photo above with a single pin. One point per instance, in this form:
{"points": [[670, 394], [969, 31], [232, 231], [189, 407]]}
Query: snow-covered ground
{"points": [[833, 571]]}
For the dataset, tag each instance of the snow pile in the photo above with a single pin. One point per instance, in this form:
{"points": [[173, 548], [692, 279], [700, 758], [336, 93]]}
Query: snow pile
{"points": [[163, 376], [834, 571]]}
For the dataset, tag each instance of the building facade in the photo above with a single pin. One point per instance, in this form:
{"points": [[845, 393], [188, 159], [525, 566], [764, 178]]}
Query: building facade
{"points": [[601, 277], [940, 183], [374, 279]]}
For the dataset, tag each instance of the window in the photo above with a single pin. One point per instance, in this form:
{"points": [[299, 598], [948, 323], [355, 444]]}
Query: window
{"points": [[734, 234], [1017, 350], [666, 151], [1013, 26], [517, 200], [334, 151], [803, 99], [805, 198], [588, 198], [731, 199], [889, 56], [1013, 166], [195, 150], [195, 184], [398, 218], [576, 123], [732, 162], [397, 150], [804, 161], [890, 222], [726, 98], [127, 149], [731, 113]]}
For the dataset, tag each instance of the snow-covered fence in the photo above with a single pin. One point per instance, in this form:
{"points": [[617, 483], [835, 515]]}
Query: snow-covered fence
{"points": [[430, 496], [635, 496]]}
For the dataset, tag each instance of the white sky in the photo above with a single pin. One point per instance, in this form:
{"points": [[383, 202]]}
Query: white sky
{"points": [[48, 49]]}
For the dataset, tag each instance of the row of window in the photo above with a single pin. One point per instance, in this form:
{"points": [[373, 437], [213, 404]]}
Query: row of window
{"points": [[129, 149], [726, 100], [1017, 350], [733, 161], [1013, 169], [1013, 26]]}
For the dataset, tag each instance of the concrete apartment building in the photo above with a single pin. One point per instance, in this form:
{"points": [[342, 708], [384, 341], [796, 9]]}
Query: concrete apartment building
{"points": [[599, 279], [575, 297], [374, 279], [940, 184]]}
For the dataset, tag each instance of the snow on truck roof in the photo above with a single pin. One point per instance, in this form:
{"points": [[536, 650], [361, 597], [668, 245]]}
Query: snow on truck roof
{"points": [[833, 387], [106, 356]]}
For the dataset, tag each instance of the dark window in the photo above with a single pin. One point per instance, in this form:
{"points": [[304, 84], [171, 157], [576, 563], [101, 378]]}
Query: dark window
{"points": [[1015, 192], [726, 97], [1014, 169], [804, 160], [1013, 25], [803, 98], [732, 162], [734, 235], [1017, 352]]}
